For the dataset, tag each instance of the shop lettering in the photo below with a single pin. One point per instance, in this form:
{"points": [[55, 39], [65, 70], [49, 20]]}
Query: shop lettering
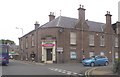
{"points": [[48, 45]]}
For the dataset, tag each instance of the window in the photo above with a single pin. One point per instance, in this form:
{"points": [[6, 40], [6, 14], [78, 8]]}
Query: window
{"points": [[116, 41], [72, 38], [26, 42], [73, 55], [21, 44], [91, 53], [91, 40], [117, 31], [116, 55], [102, 53], [102, 40], [33, 40]]}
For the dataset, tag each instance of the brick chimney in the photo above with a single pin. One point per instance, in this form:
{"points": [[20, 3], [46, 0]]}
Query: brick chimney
{"points": [[108, 18], [51, 16], [36, 25], [81, 13]]}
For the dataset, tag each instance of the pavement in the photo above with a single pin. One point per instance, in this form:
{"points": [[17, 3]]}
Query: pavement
{"points": [[103, 70]]}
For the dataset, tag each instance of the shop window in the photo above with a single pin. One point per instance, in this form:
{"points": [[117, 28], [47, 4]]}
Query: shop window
{"points": [[91, 53], [73, 55], [116, 41], [116, 55], [102, 53]]}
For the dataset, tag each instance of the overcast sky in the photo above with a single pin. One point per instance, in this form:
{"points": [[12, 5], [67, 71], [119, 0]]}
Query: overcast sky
{"points": [[24, 13]]}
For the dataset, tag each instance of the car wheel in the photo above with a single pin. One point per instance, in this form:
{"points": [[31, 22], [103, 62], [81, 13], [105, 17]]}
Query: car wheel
{"points": [[92, 64], [106, 63]]}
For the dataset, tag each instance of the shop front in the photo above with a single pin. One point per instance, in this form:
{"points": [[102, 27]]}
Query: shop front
{"points": [[48, 51]]}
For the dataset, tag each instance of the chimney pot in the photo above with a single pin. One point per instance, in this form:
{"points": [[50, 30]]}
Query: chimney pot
{"points": [[51, 16], [108, 18], [36, 25], [81, 12]]}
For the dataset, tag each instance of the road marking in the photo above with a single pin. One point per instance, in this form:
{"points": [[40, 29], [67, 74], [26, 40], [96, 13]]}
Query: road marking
{"points": [[51, 68], [59, 70], [87, 73], [64, 71], [80, 74], [75, 73], [56, 69], [69, 72]]}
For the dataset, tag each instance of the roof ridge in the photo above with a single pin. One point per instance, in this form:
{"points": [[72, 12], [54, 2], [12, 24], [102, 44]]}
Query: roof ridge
{"points": [[67, 17], [95, 21], [58, 21]]}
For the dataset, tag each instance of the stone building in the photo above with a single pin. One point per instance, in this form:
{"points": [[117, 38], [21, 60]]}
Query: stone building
{"points": [[65, 39]]}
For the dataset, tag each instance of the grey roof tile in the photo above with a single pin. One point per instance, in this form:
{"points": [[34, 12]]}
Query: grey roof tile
{"points": [[95, 26], [68, 22]]}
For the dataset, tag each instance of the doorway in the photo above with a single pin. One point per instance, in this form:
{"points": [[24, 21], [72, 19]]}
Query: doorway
{"points": [[49, 54]]}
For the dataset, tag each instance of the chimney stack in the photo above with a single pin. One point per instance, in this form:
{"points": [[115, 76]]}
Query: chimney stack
{"points": [[36, 25], [81, 13], [108, 18], [51, 16]]}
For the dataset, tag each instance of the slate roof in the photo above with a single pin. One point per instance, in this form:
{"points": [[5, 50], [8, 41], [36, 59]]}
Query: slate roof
{"points": [[67, 22], [96, 26]]}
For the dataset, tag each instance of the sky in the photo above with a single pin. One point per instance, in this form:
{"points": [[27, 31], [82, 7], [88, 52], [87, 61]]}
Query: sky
{"points": [[24, 13]]}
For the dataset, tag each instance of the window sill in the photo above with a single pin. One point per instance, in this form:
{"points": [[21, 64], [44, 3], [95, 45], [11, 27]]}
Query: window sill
{"points": [[92, 45], [33, 46], [73, 44], [102, 46]]}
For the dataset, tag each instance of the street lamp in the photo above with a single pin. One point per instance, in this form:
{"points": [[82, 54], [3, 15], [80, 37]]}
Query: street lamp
{"points": [[21, 29], [22, 35]]}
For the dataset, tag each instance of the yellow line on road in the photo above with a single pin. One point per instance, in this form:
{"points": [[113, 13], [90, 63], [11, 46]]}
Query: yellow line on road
{"points": [[87, 73]]}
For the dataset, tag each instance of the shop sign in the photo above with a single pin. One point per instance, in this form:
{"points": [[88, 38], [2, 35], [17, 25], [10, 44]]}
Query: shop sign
{"points": [[48, 45], [59, 49]]}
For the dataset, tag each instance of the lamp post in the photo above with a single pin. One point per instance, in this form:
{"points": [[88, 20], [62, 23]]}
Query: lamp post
{"points": [[21, 29], [22, 35]]}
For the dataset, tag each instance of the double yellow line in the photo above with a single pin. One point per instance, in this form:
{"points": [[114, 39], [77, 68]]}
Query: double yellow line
{"points": [[87, 73]]}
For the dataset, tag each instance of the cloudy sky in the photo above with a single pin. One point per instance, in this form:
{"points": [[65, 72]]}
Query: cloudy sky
{"points": [[24, 13]]}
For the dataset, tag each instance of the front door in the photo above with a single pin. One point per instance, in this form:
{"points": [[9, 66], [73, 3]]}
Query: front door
{"points": [[49, 54]]}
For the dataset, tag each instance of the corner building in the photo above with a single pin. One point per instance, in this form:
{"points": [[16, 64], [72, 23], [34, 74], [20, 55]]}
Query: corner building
{"points": [[64, 39]]}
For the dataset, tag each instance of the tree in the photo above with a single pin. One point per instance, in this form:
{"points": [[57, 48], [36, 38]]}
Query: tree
{"points": [[3, 41]]}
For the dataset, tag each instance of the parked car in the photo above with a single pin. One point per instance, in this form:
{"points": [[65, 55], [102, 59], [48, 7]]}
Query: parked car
{"points": [[95, 60]]}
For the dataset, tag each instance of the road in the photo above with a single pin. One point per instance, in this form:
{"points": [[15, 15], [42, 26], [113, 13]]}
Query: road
{"points": [[27, 68]]}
